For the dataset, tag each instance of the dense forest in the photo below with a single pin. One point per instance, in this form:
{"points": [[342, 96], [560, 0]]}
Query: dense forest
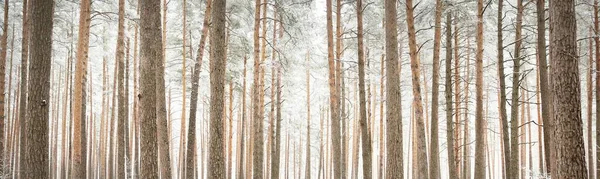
{"points": [[186, 89]]}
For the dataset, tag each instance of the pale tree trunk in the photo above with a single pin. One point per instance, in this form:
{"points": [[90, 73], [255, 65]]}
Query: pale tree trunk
{"points": [[216, 168], [539, 117], [340, 82], [36, 158], [457, 123], [569, 150], [434, 159], [333, 98], [394, 155], [151, 54], [597, 53], [365, 132], [242, 131], [480, 139], [79, 133], [307, 173], [514, 112], [164, 161], [544, 85], [121, 141], [416, 73], [3, 45], [257, 153], [590, 97], [502, 98], [448, 95]]}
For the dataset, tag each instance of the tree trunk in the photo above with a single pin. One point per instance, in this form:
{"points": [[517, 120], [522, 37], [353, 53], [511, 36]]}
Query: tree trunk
{"points": [[164, 160], [434, 152], [480, 139], [394, 155], [597, 53], [333, 97], [448, 95], [570, 152], [365, 132], [151, 54], [3, 45], [257, 154], [240, 167], [307, 173], [501, 77], [37, 116], [514, 110], [122, 95], [590, 97], [79, 133], [218, 66], [416, 73], [544, 85]]}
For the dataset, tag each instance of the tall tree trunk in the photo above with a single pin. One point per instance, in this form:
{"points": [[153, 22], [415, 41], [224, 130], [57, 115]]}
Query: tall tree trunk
{"points": [[37, 116], [339, 52], [151, 54], [544, 85], [394, 155], [365, 132], [122, 95], [164, 159], [333, 97], [501, 77], [257, 153], [480, 139], [3, 45], [590, 97], [23, 87], [569, 148], [416, 76], [307, 173], [597, 53], [514, 110], [218, 64], [434, 159], [79, 133], [448, 95], [240, 167]]}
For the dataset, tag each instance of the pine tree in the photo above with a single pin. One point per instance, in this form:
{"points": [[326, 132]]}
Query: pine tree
{"points": [[218, 57], [480, 139], [448, 95], [365, 132], [395, 161], [434, 172]]}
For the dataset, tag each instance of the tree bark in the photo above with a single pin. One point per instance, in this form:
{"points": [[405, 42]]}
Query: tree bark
{"points": [[569, 148], [121, 141], [395, 159], [416, 76], [434, 159], [151, 54], [333, 97], [218, 66], [37, 116], [240, 167], [448, 95], [3, 45], [514, 110], [79, 133], [365, 132], [590, 97], [164, 159], [480, 139], [307, 172], [501, 77], [257, 153], [544, 85]]}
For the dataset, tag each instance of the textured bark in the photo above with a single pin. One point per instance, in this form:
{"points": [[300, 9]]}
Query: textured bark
{"points": [[333, 98], [569, 146], [189, 171], [218, 54], [501, 79], [514, 110], [257, 118], [590, 97], [3, 51], [416, 90], [448, 95], [121, 141], [480, 139], [23, 87], [597, 53], [544, 85], [434, 157], [79, 133], [164, 159], [339, 52], [37, 115], [365, 132], [307, 172], [150, 55], [394, 155], [240, 167]]}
